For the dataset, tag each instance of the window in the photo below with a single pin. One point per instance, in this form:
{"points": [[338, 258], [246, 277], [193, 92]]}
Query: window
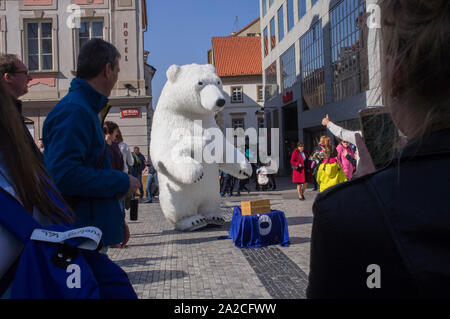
{"points": [[312, 63], [290, 14], [280, 24], [266, 43], [301, 8], [259, 93], [39, 45], [313, 2], [237, 95], [89, 30], [260, 122], [272, 33], [349, 49], [288, 66], [237, 123], [264, 5], [270, 3], [271, 87]]}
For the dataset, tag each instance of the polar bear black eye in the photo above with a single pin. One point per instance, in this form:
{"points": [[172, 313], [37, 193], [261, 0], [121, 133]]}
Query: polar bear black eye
{"points": [[200, 83]]}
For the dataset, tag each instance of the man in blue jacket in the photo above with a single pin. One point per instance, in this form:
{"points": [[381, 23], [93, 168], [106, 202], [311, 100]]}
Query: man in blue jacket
{"points": [[75, 154]]}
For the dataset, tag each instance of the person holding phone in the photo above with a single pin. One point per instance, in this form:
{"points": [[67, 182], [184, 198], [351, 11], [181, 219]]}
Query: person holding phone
{"points": [[391, 241], [300, 171]]}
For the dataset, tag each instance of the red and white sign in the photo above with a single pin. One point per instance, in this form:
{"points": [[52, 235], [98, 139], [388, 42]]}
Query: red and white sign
{"points": [[289, 96], [130, 113]]}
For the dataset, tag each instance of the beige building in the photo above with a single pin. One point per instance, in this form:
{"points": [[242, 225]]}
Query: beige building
{"points": [[237, 59], [47, 35]]}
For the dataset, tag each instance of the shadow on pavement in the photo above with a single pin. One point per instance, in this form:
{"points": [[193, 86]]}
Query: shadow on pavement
{"points": [[299, 240], [144, 277], [140, 261], [300, 220]]}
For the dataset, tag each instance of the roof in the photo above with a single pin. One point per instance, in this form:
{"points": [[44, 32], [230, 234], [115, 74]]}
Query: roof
{"points": [[245, 28], [237, 55]]}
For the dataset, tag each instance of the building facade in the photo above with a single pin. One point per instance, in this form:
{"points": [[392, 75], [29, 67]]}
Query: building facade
{"points": [[237, 60], [47, 35], [318, 57]]}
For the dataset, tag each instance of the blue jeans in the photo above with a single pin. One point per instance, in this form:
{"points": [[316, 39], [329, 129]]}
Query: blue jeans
{"points": [[148, 187]]}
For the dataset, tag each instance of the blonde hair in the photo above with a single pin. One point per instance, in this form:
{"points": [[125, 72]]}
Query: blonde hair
{"points": [[416, 49], [325, 140]]}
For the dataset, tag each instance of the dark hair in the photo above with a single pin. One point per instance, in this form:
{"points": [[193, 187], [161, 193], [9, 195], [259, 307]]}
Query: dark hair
{"points": [[26, 173], [330, 151], [93, 57], [300, 144], [109, 127], [8, 63], [119, 137]]}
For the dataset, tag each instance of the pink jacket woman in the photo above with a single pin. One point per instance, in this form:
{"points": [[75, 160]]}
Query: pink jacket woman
{"points": [[346, 165]]}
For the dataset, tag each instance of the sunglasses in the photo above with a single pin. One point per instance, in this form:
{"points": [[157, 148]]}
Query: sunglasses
{"points": [[23, 72]]}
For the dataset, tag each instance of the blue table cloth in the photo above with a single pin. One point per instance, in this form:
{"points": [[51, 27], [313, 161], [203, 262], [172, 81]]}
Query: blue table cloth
{"points": [[253, 231]]}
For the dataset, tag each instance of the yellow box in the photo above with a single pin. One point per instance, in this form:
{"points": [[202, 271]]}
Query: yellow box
{"points": [[254, 207]]}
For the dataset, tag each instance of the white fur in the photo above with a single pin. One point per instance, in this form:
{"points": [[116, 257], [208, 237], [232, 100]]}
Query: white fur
{"points": [[189, 189]]}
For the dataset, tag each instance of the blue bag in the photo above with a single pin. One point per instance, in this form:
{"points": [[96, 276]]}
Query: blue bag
{"points": [[58, 261]]}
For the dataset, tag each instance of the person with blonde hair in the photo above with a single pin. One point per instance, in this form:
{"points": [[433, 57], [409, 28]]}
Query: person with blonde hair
{"points": [[376, 236]]}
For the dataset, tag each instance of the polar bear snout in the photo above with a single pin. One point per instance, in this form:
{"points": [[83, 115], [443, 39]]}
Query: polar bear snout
{"points": [[220, 102], [211, 98]]}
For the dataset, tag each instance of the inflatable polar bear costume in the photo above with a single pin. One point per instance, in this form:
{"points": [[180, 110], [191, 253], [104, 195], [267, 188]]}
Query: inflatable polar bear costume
{"points": [[189, 189]]}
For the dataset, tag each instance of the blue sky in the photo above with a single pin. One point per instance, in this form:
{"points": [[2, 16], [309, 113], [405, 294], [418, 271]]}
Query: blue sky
{"points": [[180, 31]]}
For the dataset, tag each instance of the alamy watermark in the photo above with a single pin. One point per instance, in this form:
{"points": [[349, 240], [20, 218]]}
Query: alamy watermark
{"points": [[374, 279], [209, 145]]}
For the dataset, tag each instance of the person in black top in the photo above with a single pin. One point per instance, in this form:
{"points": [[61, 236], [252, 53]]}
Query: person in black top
{"points": [[382, 235]]}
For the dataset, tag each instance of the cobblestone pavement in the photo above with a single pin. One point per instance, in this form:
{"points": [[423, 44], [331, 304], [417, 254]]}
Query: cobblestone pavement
{"points": [[163, 263]]}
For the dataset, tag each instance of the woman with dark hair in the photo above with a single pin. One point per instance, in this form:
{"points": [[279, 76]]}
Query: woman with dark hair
{"points": [[23, 176], [300, 169], [111, 131], [376, 236]]}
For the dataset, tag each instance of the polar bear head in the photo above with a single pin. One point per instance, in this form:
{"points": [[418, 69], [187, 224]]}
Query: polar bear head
{"points": [[193, 88]]}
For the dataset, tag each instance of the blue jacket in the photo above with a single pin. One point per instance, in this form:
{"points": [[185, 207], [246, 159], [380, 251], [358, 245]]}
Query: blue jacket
{"points": [[74, 143]]}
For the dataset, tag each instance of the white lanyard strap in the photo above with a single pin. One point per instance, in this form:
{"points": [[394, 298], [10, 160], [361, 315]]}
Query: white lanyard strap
{"points": [[91, 234]]}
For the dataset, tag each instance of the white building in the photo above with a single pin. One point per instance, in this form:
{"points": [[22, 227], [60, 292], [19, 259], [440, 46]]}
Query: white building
{"points": [[47, 35]]}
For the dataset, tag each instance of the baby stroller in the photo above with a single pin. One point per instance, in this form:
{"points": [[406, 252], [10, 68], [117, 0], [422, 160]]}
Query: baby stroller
{"points": [[262, 178]]}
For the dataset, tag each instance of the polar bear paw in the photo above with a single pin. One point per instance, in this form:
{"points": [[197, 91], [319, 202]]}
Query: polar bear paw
{"points": [[215, 219], [192, 223], [245, 169], [241, 172], [192, 175], [198, 179]]}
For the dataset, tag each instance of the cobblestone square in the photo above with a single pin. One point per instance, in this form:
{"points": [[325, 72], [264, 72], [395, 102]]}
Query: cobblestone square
{"points": [[164, 263]]}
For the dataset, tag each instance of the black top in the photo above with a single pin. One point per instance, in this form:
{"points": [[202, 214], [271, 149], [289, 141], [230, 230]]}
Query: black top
{"points": [[397, 218], [116, 156]]}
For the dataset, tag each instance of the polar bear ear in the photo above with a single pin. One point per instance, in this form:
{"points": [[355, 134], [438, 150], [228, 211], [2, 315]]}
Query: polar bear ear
{"points": [[172, 72], [211, 68]]}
